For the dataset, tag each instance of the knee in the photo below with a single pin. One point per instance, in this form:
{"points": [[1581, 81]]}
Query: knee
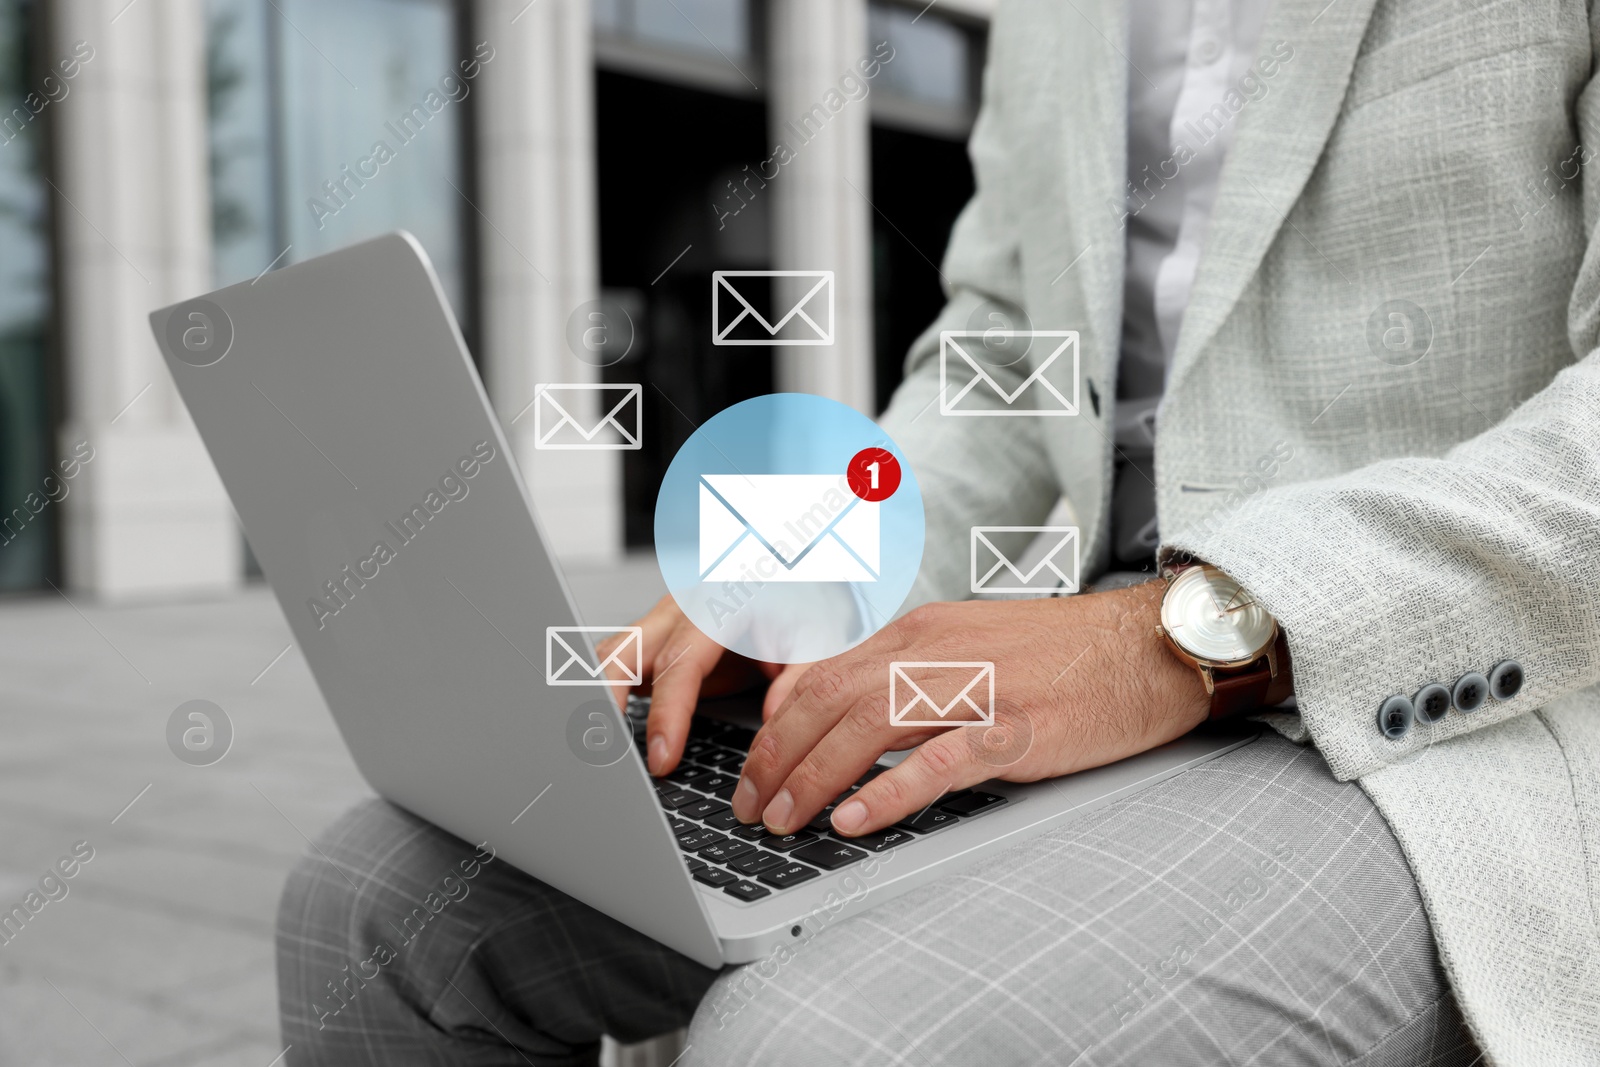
{"points": [[345, 872], [747, 1015], [348, 908]]}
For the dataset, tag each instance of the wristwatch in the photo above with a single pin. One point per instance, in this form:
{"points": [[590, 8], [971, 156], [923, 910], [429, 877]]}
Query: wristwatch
{"points": [[1212, 624]]}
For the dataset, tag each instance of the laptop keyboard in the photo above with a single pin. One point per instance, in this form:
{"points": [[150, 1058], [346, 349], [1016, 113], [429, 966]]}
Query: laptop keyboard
{"points": [[750, 863]]}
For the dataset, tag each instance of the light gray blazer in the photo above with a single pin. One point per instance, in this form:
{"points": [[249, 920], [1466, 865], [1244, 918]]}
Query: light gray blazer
{"points": [[1435, 517]]}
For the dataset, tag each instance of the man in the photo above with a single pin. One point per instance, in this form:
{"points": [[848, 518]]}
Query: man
{"points": [[1372, 336]]}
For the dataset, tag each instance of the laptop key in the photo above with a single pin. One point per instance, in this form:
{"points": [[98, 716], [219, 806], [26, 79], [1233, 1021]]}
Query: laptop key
{"points": [[697, 748], [788, 842], [926, 822], [706, 729], [877, 841], [695, 865], [724, 759], [753, 832], [756, 862], [829, 855], [662, 785], [678, 798], [972, 803], [787, 875], [699, 839], [703, 809], [714, 839], [687, 773], [715, 876], [725, 792], [681, 826], [724, 820], [746, 891], [822, 821], [726, 851], [715, 783]]}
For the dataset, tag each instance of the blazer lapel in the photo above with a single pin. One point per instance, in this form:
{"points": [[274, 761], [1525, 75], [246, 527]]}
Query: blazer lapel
{"points": [[1277, 142]]}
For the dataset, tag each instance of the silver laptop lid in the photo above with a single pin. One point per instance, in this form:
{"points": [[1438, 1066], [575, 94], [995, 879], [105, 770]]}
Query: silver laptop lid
{"points": [[352, 432]]}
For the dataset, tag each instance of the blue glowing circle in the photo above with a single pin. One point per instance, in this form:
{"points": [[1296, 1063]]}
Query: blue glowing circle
{"points": [[762, 542]]}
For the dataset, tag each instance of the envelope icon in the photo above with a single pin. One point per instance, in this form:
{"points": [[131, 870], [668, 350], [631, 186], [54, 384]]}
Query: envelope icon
{"points": [[569, 657], [969, 382], [941, 694], [993, 570], [564, 417], [802, 302], [786, 528]]}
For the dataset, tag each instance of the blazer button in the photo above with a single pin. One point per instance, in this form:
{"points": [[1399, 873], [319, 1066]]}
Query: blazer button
{"points": [[1505, 680], [1431, 702], [1471, 689], [1394, 718]]}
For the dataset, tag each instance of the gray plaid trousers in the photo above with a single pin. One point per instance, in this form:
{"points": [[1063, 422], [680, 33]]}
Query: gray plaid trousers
{"points": [[1252, 910]]}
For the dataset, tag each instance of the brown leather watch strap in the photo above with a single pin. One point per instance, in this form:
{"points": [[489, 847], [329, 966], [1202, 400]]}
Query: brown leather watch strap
{"points": [[1252, 688]]}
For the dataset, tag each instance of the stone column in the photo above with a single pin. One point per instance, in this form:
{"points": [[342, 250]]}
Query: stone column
{"points": [[132, 221], [822, 218], [539, 236]]}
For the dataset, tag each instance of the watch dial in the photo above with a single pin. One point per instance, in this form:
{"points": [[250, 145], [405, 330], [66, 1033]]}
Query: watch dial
{"points": [[1212, 618]]}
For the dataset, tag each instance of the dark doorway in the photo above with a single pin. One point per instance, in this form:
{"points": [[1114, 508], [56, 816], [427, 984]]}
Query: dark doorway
{"points": [[666, 154], [919, 186]]}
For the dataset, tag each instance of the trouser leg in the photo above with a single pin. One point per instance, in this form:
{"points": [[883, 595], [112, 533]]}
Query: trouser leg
{"points": [[401, 944], [1252, 910]]}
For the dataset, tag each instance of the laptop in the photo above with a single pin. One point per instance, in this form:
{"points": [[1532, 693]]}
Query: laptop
{"points": [[374, 481]]}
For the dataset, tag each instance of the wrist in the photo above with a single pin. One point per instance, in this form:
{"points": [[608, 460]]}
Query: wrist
{"points": [[1173, 689], [1213, 625]]}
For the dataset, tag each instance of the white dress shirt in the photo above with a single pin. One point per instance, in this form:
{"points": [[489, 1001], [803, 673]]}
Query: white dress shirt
{"points": [[1185, 55]]}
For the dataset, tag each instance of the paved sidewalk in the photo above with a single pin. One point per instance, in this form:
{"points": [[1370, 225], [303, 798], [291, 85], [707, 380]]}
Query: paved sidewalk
{"points": [[161, 953]]}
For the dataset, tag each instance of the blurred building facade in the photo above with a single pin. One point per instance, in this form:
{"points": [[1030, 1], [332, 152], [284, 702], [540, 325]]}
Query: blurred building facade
{"points": [[558, 159]]}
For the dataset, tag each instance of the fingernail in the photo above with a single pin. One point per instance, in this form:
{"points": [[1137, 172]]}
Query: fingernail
{"points": [[777, 814], [848, 817], [658, 754], [744, 800]]}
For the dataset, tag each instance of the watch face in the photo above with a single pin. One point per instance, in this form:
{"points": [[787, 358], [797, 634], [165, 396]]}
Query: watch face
{"points": [[1213, 619]]}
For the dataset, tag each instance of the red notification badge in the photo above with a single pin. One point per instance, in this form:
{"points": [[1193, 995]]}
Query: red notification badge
{"points": [[874, 474]]}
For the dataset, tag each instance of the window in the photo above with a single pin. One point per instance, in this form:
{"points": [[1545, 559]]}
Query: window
{"points": [[717, 27], [27, 519], [931, 87], [332, 121], [708, 44]]}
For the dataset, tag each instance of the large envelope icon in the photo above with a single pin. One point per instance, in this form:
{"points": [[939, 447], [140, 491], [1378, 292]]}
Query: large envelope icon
{"points": [[786, 528], [970, 378], [941, 694], [802, 302], [570, 660], [562, 418], [1053, 566]]}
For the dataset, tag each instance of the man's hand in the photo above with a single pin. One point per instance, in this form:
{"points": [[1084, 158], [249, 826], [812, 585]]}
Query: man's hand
{"points": [[1084, 679], [681, 665]]}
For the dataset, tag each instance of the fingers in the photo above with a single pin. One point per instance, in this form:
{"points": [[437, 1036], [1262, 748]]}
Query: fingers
{"points": [[781, 687], [654, 628], [821, 697], [674, 658], [685, 657], [940, 765], [833, 764]]}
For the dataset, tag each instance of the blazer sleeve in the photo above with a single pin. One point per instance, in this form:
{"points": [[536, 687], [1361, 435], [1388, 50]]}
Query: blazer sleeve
{"points": [[1417, 570], [1411, 571], [971, 471]]}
